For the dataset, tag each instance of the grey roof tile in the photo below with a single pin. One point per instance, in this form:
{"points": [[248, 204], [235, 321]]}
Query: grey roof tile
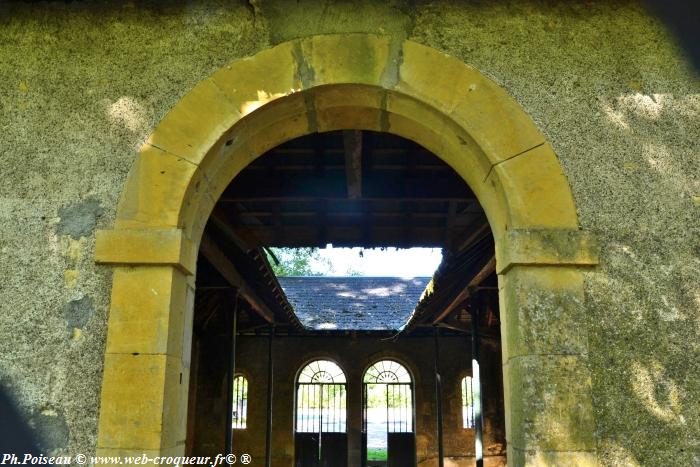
{"points": [[359, 303]]}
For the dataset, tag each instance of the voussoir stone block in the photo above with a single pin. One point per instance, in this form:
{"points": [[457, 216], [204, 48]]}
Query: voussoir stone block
{"points": [[250, 83], [537, 191], [345, 107], [433, 77], [343, 58], [196, 123], [156, 189]]}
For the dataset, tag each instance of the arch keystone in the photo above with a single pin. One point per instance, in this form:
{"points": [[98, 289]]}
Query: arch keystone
{"points": [[344, 58]]}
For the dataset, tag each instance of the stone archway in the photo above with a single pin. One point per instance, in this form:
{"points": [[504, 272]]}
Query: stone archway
{"points": [[363, 82]]}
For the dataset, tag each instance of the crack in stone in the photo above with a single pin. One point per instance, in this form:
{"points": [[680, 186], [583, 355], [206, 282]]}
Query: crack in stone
{"points": [[512, 157], [306, 76]]}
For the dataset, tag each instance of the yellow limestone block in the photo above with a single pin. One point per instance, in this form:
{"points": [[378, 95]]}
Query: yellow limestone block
{"points": [[550, 403], [148, 310], [434, 77], [344, 58], [155, 191], [348, 107], [131, 408], [540, 305], [253, 82], [146, 246], [196, 123], [545, 247], [551, 458], [137, 404], [537, 192]]}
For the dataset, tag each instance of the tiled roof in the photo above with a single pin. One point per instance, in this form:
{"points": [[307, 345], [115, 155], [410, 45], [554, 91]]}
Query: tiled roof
{"points": [[361, 303]]}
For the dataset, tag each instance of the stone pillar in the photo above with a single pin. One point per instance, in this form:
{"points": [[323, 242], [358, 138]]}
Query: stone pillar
{"points": [[492, 387], [146, 372], [547, 383], [546, 379], [355, 416]]}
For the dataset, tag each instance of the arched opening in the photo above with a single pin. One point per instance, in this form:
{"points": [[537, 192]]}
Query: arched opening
{"points": [[388, 425], [468, 415], [239, 406], [321, 419], [314, 85], [346, 188]]}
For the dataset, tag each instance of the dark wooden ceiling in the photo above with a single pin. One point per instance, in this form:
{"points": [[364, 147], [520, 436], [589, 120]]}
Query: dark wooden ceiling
{"points": [[347, 188], [351, 189]]}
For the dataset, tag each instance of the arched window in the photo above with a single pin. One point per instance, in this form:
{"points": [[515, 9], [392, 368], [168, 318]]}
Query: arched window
{"points": [[388, 416], [467, 403], [321, 405], [240, 402], [387, 371]]}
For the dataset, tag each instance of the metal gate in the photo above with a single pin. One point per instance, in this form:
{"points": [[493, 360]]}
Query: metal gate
{"points": [[321, 416], [388, 407]]}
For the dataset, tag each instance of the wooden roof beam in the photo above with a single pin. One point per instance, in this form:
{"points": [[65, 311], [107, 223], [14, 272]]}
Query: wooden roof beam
{"points": [[221, 263], [352, 142], [475, 235], [255, 197], [221, 220], [485, 271]]}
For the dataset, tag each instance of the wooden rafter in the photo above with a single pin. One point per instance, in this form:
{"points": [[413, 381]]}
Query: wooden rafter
{"points": [[219, 218], [487, 270], [314, 235], [352, 142], [223, 265], [473, 236]]}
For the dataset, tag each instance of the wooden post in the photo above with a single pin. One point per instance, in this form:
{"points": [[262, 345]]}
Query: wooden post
{"points": [[438, 400], [476, 384], [268, 436], [233, 323]]}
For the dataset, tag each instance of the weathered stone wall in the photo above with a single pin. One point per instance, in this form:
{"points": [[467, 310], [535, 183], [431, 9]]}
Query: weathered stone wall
{"points": [[83, 85]]}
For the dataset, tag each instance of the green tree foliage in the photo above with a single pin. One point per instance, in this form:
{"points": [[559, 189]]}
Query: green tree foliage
{"points": [[379, 395], [298, 262]]}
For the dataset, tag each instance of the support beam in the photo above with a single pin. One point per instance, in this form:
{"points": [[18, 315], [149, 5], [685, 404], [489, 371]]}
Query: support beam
{"points": [[476, 384], [343, 235], [221, 263], [427, 198], [270, 379], [352, 142], [220, 220], [478, 233], [232, 328], [438, 400], [449, 228], [485, 271]]}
